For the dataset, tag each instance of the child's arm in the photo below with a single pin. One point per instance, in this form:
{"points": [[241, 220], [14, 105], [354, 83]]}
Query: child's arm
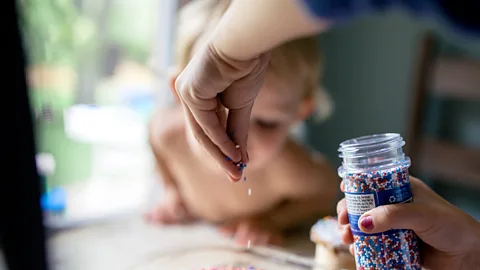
{"points": [[172, 208], [299, 212], [310, 188], [156, 137], [311, 192]]}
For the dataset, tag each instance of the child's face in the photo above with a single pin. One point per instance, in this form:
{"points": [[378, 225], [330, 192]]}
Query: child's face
{"points": [[279, 105]]}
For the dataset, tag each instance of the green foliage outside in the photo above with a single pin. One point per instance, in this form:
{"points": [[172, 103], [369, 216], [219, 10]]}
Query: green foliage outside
{"points": [[75, 34]]}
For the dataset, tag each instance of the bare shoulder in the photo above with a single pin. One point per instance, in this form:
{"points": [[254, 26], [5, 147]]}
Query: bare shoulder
{"points": [[300, 159], [167, 128], [304, 171]]}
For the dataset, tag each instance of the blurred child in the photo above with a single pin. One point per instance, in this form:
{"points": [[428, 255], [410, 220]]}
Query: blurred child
{"points": [[289, 185]]}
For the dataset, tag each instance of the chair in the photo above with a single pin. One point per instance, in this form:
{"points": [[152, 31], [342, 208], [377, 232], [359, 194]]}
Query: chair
{"points": [[446, 78]]}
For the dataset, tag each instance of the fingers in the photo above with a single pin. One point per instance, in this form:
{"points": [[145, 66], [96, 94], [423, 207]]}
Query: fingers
{"points": [[227, 230], [215, 132], [221, 115], [238, 123], [342, 214], [244, 235], [232, 171], [248, 234], [347, 236], [342, 217], [161, 215], [257, 238], [417, 217], [433, 223]]}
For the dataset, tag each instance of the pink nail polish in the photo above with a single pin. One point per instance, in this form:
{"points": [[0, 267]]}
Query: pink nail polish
{"points": [[367, 223]]}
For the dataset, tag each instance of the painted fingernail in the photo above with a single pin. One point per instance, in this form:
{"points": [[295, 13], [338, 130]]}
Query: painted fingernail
{"points": [[367, 223]]}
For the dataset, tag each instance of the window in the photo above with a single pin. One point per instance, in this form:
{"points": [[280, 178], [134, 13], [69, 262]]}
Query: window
{"points": [[95, 74]]}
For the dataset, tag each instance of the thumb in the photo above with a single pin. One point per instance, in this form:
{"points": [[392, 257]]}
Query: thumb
{"points": [[238, 123], [397, 216], [428, 223]]}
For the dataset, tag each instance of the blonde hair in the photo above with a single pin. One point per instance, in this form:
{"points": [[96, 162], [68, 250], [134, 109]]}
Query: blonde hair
{"points": [[299, 56]]}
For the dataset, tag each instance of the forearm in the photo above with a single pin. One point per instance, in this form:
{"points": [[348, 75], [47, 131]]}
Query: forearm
{"points": [[164, 175], [252, 27], [295, 213]]}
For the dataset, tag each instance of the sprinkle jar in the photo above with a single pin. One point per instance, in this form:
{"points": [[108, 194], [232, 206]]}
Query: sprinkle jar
{"points": [[375, 173]]}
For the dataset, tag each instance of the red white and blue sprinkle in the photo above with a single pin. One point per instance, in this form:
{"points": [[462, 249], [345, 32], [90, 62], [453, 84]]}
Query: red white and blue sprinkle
{"points": [[241, 166], [398, 249]]}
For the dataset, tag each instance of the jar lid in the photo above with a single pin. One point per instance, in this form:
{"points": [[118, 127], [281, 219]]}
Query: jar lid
{"points": [[370, 144]]}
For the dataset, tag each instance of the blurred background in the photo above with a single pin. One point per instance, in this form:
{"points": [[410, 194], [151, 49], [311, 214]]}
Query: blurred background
{"points": [[393, 73], [97, 69], [93, 88]]}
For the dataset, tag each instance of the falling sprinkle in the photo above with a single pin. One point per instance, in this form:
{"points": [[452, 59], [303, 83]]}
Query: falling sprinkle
{"points": [[249, 192], [248, 244], [237, 146], [245, 179]]}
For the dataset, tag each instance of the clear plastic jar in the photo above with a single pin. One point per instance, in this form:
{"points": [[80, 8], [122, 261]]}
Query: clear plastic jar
{"points": [[375, 173]]}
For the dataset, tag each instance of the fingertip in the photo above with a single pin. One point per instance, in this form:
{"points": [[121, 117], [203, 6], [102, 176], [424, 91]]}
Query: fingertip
{"points": [[226, 231], [366, 224], [232, 179], [351, 249], [236, 155], [234, 174]]}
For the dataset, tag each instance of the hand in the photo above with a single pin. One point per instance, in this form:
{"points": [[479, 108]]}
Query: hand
{"points": [[171, 211], [451, 237], [210, 83], [253, 230]]}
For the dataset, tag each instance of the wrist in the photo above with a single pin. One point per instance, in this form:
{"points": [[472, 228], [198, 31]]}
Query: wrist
{"points": [[251, 28]]}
